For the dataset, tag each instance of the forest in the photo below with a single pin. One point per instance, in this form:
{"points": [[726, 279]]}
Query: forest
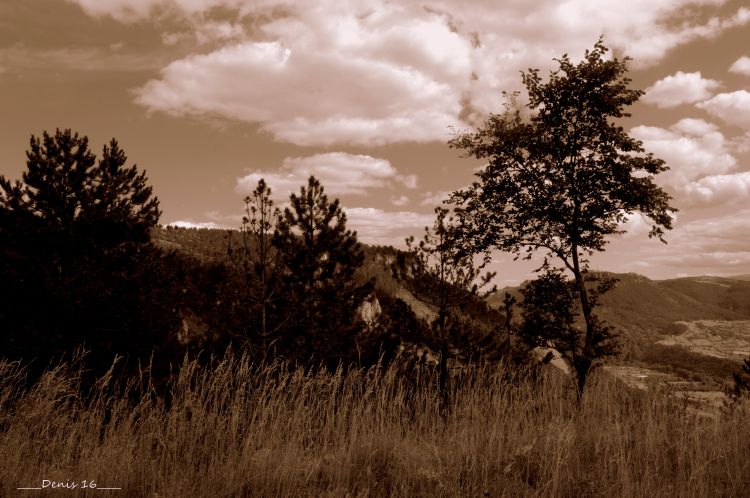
{"points": [[285, 358]]}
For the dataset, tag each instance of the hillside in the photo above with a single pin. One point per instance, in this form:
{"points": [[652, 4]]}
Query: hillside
{"points": [[693, 328]]}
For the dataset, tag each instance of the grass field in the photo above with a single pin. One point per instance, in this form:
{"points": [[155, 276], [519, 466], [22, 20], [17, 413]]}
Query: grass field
{"points": [[235, 431]]}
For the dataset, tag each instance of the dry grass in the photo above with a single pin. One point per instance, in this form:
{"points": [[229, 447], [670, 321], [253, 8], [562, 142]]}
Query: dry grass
{"points": [[237, 431]]}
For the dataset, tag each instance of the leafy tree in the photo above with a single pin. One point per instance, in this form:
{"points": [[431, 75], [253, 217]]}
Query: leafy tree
{"points": [[550, 312], [320, 257], [445, 276], [563, 180]]}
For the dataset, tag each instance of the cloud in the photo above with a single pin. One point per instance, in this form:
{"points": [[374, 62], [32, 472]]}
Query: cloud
{"points": [[720, 188], [376, 226], [680, 88], [733, 108], [741, 66], [711, 245], [372, 72], [400, 201], [340, 173], [692, 148]]}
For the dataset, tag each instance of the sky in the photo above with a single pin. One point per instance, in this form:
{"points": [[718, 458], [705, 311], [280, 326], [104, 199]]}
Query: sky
{"points": [[208, 96]]}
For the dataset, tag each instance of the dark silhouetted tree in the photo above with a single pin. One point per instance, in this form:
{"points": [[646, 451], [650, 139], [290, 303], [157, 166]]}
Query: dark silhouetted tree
{"points": [[259, 264], [549, 317], [320, 257], [66, 191], [75, 263], [563, 180], [444, 275]]}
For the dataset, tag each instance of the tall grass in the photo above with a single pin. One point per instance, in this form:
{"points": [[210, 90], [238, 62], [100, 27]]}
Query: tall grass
{"points": [[233, 430]]}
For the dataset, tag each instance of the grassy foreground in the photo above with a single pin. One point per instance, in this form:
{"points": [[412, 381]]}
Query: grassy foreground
{"points": [[234, 431]]}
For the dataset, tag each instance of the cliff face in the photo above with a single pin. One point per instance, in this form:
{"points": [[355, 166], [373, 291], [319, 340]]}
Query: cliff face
{"points": [[369, 311]]}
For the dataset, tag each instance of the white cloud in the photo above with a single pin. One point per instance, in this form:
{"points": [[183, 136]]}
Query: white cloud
{"points": [[196, 224], [376, 226], [680, 88], [716, 189], [741, 66], [400, 201], [732, 108], [339, 173], [372, 72], [709, 245], [692, 148]]}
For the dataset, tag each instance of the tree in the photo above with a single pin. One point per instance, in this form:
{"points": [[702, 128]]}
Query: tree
{"points": [[549, 317], [320, 257], [444, 276], [258, 261], [563, 180], [75, 265], [65, 191]]}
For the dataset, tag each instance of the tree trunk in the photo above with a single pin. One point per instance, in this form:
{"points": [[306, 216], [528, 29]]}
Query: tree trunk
{"points": [[443, 365], [584, 364], [443, 378]]}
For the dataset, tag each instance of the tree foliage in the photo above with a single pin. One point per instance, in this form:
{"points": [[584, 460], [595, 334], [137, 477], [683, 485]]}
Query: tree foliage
{"points": [[566, 178], [320, 258], [75, 265], [550, 312], [444, 275], [65, 190], [259, 265]]}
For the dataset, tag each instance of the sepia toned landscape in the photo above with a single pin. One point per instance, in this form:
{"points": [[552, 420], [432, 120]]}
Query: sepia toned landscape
{"points": [[373, 248]]}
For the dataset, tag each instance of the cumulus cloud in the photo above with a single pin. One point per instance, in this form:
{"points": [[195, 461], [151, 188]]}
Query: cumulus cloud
{"points": [[680, 88], [741, 66], [376, 226], [720, 188], [372, 72], [733, 108], [340, 173], [692, 148]]}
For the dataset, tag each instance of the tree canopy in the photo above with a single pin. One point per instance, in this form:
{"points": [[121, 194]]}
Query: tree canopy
{"points": [[320, 257], [75, 264], [564, 179], [65, 190]]}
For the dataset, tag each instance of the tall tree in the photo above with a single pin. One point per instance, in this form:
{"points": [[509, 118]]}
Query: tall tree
{"points": [[320, 257], [563, 180], [259, 262], [74, 265], [445, 276]]}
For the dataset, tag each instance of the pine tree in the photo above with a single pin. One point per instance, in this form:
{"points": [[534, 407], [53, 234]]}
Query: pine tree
{"points": [[75, 263], [66, 192], [259, 264], [444, 276], [320, 257]]}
